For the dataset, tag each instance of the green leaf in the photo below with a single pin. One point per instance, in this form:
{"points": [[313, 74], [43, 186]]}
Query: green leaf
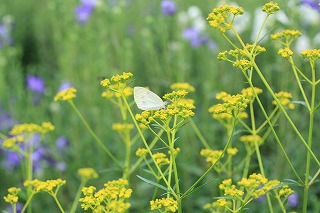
{"points": [[152, 183], [303, 103]]}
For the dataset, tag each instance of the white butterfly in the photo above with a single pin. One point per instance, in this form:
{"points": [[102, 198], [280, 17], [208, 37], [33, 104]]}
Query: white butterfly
{"points": [[147, 100]]}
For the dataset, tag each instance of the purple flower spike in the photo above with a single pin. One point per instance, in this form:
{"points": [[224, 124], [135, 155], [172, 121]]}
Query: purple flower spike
{"points": [[36, 84], [168, 7]]}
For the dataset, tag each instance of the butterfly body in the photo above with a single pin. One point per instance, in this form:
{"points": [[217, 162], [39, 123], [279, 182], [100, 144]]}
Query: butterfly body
{"points": [[147, 100]]}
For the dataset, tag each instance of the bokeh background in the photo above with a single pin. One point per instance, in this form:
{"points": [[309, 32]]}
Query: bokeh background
{"points": [[48, 45]]}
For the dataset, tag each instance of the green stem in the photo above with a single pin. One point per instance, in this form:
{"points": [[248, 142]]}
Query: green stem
{"points": [[77, 197], [211, 167], [199, 134], [57, 202], [97, 139]]}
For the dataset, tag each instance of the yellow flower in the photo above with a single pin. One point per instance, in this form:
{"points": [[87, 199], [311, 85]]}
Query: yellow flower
{"points": [[285, 52], [211, 155], [312, 55], [111, 198], [122, 127], [31, 128], [168, 204], [251, 139], [285, 99], [222, 202], [182, 86], [161, 159], [286, 191], [88, 173], [121, 78], [232, 151], [221, 19], [12, 197], [142, 152], [251, 93], [288, 35], [270, 8], [46, 186], [66, 94]]}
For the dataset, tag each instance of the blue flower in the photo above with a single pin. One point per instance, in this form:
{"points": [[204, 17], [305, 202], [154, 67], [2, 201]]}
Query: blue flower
{"points": [[168, 7], [293, 200], [312, 3], [196, 38], [84, 11], [36, 84]]}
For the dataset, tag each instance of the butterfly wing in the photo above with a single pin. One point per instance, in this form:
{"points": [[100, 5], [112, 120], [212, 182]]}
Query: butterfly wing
{"points": [[147, 100]]}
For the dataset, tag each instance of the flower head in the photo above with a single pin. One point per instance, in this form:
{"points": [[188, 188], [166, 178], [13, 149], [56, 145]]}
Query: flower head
{"points": [[84, 11], [270, 8], [284, 99], [168, 7], [111, 198], [164, 204], [88, 173], [36, 84], [66, 95], [220, 17]]}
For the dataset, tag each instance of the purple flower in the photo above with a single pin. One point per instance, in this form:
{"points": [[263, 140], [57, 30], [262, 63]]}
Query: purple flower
{"points": [[6, 120], [293, 200], [84, 11], [61, 143], [194, 36], [168, 7], [11, 160], [36, 84], [19, 207], [312, 3]]}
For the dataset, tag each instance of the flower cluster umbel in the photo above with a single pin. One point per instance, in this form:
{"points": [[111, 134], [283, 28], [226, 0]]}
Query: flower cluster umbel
{"points": [[111, 198], [248, 189]]}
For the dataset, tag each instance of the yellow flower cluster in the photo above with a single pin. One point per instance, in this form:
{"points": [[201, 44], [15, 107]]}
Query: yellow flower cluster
{"points": [[218, 206], [285, 52], [232, 151], [45, 186], [220, 17], [113, 91], [12, 143], [161, 159], [211, 155], [182, 86], [116, 79], [312, 55], [251, 93], [111, 198], [31, 128], [65, 95], [142, 152], [233, 104], [88, 173], [164, 205], [179, 107], [118, 127], [287, 35], [251, 140], [270, 8], [12, 196], [243, 64], [253, 187], [239, 57], [285, 99]]}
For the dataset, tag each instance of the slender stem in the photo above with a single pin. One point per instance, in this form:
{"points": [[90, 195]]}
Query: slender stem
{"points": [[97, 139], [199, 134], [212, 166], [76, 198]]}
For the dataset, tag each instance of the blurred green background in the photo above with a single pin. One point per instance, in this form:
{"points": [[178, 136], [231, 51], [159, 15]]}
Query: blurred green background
{"points": [[121, 36]]}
